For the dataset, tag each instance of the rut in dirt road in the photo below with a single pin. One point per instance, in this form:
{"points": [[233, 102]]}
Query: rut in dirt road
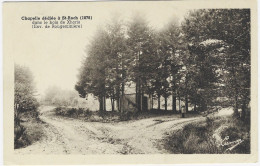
{"points": [[72, 136]]}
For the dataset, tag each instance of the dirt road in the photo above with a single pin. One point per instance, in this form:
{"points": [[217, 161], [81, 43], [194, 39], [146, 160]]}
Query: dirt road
{"points": [[72, 136]]}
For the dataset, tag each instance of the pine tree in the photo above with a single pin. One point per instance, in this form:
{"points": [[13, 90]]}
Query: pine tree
{"points": [[231, 26], [140, 48]]}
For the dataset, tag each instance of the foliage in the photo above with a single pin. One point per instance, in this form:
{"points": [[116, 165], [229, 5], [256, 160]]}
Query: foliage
{"points": [[28, 132], [231, 27], [24, 103], [164, 78], [20, 138], [205, 58], [24, 90], [103, 71]]}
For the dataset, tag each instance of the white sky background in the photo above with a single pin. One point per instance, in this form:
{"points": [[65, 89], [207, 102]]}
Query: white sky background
{"points": [[54, 55]]}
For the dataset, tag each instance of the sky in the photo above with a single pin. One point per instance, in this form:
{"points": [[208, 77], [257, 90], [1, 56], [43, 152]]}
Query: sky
{"points": [[55, 55]]}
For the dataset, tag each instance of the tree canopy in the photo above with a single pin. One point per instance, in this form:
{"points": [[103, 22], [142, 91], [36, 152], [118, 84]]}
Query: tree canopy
{"points": [[24, 90], [205, 58]]}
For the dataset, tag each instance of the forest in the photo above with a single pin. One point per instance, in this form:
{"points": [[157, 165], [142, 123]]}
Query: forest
{"points": [[203, 61]]}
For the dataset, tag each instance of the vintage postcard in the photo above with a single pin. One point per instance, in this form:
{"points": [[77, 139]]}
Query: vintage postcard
{"points": [[130, 82]]}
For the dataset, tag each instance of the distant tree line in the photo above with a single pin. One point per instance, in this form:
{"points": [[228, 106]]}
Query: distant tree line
{"points": [[59, 97], [204, 60]]}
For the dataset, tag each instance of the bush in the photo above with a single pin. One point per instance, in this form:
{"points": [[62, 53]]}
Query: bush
{"points": [[94, 116], [20, 139], [87, 112], [28, 128], [73, 112], [124, 116]]}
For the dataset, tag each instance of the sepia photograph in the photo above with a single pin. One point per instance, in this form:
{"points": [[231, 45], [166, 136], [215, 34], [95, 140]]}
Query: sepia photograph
{"points": [[129, 78]]}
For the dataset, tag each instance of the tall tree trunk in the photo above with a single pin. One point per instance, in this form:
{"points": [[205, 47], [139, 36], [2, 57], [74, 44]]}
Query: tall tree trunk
{"points": [[122, 105], [186, 95], [104, 103], [138, 95], [118, 97], [142, 101], [117, 85], [203, 105], [123, 86], [174, 102], [186, 103], [113, 100], [152, 103], [150, 100], [100, 104], [138, 83], [118, 104], [179, 103], [118, 101], [112, 104], [159, 102], [194, 108], [123, 98], [173, 96], [165, 103]]}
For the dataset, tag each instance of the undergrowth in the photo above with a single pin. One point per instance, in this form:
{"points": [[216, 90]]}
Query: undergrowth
{"points": [[28, 130], [199, 138]]}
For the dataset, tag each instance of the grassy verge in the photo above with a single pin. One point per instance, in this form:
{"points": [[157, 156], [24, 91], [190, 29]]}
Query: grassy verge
{"points": [[30, 130], [109, 116], [215, 136]]}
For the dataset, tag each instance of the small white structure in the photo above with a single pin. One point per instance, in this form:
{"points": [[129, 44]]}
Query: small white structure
{"points": [[128, 101]]}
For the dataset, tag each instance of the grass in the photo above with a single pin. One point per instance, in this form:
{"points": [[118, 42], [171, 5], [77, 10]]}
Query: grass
{"points": [[199, 138], [193, 138], [30, 130]]}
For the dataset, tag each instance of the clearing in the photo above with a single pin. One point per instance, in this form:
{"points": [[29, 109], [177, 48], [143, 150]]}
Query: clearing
{"points": [[73, 136]]}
